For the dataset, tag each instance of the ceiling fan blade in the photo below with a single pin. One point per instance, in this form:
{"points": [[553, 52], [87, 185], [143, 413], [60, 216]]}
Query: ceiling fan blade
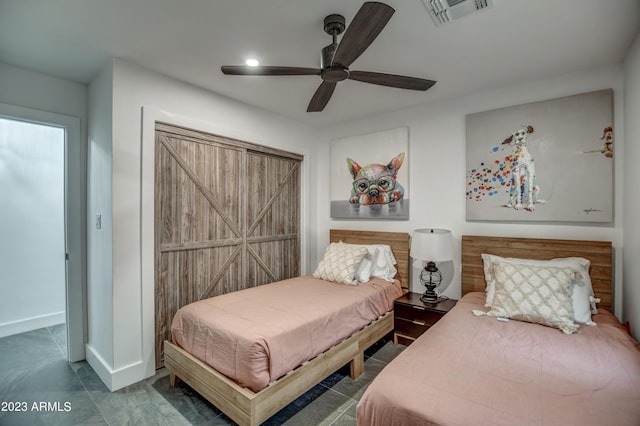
{"points": [[322, 96], [391, 80], [268, 70], [365, 27]]}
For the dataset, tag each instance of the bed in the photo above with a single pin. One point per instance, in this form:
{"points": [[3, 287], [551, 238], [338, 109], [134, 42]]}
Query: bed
{"points": [[472, 369], [251, 389]]}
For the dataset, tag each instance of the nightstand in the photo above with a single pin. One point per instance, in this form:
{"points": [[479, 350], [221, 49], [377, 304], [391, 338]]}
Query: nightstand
{"points": [[412, 316]]}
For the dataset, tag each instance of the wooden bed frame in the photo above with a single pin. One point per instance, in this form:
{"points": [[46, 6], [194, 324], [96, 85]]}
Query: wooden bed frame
{"points": [[600, 253], [252, 408]]}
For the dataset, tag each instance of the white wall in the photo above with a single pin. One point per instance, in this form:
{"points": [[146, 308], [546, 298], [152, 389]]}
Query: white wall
{"points": [[32, 247], [64, 101], [99, 248], [438, 166], [136, 90], [631, 290]]}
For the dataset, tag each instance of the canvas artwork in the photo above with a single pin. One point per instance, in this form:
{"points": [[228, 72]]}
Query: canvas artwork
{"points": [[370, 176], [546, 161]]}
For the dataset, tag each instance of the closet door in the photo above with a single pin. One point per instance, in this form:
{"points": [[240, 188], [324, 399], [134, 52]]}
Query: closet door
{"points": [[273, 218], [226, 218]]}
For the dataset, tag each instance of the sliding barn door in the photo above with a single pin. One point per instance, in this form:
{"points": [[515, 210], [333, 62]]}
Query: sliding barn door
{"points": [[227, 217], [273, 218]]}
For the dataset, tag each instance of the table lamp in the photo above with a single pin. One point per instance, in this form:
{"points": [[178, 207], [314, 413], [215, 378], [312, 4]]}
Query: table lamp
{"points": [[431, 246]]}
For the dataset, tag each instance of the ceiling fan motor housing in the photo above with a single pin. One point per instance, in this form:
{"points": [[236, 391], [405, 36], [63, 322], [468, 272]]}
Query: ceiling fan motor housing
{"points": [[328, 72], [327, 55], [333, 25], [334, 74]]}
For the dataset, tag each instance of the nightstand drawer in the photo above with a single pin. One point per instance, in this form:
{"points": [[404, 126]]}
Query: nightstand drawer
{"points": [[413, 328], [412, 316], [417, 315]]}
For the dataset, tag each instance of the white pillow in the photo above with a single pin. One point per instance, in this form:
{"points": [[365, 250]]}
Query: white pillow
{"points": [[363, 274], [340, 263], [371, 248], [534, 293], [383, 264], [582, 290], [382, 260]]}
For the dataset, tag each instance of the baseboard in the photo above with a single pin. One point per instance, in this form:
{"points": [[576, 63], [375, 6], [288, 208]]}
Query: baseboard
{"points": [[29, 324], [119, 378]]}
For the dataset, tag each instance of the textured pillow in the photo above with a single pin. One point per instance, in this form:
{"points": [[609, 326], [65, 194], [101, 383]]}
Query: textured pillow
{"points": [[582, 290], [340, 263], [537, 294]]}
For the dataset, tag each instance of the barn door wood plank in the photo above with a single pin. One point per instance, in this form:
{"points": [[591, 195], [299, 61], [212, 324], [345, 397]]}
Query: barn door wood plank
{"points": [[223, 270], [202, 188], [274, 196]]}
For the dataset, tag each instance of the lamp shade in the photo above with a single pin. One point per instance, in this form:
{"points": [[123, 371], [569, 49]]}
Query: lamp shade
{"points": [[434, 245]]}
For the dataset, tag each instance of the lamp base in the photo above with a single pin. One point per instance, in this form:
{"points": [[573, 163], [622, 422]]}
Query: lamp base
{"points": [[429, 296], [431, 301]]}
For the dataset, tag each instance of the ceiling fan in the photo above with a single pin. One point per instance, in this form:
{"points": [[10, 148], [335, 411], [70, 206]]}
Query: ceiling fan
{"points": [[336, 58]]}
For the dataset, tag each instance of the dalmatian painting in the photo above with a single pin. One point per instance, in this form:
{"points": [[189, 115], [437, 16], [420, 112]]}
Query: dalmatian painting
{"points": [[540, 162], [523, 191]]}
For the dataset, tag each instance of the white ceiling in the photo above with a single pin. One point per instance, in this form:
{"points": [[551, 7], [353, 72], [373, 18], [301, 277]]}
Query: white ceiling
{"points": [[515, 41]]}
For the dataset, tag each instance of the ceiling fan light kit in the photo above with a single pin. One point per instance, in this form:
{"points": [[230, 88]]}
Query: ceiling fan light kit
{"points": [[337, 57]]}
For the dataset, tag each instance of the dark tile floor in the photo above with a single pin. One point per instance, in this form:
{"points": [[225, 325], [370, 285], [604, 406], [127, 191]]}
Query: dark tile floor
{"points": [[39, 387]]}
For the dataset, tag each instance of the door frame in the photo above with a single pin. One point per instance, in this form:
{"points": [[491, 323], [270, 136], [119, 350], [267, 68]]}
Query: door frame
{"points": [[75, 288]]}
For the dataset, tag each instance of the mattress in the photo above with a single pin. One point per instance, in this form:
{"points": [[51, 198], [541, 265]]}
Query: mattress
{"points": [[257, 335], [468, 370]]}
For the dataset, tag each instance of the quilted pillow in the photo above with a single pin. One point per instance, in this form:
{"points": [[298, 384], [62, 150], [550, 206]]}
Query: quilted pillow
{"points": [[537, 294], [582, 290], [340, 263]]}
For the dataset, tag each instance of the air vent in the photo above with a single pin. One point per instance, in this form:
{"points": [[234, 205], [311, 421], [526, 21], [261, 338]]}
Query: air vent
{"points": [[443, 11]]}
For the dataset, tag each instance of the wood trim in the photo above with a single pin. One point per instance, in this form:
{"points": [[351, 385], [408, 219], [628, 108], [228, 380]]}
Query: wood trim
{"points": [[200, 136], [196, 245], [269, 238], [252, 408], [599, 253], [398, 241]]}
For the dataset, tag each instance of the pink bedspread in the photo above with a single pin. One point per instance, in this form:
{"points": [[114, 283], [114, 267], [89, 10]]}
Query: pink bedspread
{"points": [[257, 335], [470, 370]]}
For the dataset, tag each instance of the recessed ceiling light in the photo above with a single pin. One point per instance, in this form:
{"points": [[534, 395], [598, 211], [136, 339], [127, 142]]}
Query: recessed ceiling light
{"points": [[252, 62]]}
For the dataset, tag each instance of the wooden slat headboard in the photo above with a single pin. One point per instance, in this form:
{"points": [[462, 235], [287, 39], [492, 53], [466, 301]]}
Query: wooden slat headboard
{"points": [[398, 241], [600, 253]]}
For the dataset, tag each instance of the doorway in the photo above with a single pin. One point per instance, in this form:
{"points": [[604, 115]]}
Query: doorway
{"points": [[41, 285]]}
